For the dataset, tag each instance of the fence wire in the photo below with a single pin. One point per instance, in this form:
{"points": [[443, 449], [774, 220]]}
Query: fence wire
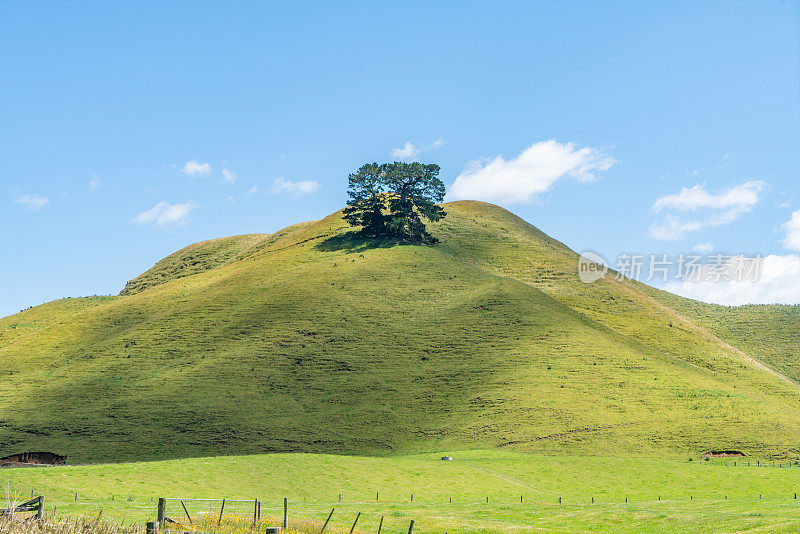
{"points": [[192, 510]]}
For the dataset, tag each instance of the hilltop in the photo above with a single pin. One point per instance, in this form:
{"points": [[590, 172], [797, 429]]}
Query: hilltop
{"points": [[310, 340]]}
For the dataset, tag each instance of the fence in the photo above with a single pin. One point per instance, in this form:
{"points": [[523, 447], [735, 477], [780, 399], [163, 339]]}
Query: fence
{"points": [[218, 515], [196, 510], [33, 505]]}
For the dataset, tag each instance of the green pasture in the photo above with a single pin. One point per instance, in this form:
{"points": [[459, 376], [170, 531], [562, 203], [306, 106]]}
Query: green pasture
{"points": [[663, 495]]}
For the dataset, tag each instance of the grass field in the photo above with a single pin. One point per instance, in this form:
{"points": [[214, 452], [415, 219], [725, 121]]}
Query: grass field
{"points": [[697, 496]]}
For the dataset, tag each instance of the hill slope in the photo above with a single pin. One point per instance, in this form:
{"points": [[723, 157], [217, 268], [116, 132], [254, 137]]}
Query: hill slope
{"points": [[309, 340]]}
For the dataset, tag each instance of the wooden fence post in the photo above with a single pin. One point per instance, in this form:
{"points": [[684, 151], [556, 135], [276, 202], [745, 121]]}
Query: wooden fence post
{"points": [[222, 509], [380, 525], [354, 523], [411, 527], [162, 511], [327, 521], [187, 513], [152, 527], [285, 513], [40, 510]]}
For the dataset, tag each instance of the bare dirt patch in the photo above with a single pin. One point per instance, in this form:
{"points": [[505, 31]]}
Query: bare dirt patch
{"points": [[32, 458], [722, 454]]}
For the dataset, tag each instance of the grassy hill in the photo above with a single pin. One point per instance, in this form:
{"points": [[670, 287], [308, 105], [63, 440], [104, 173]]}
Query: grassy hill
{"points": [[310, 340], [769, 333]]}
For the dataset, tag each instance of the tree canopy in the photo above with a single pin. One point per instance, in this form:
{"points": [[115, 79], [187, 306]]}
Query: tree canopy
{"points": [[391, 199]]}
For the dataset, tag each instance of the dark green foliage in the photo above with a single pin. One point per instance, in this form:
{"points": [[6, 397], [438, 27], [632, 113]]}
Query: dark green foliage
{"points": [[390, 200], [365, 207], [414, 189]]}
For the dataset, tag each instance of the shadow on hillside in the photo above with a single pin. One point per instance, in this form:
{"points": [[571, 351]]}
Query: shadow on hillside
{"points": [[352, 241]]}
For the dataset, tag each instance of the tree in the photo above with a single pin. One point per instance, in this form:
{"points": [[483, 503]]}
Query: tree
{"points": [[414, 189], [365, 207], [407, 191]]}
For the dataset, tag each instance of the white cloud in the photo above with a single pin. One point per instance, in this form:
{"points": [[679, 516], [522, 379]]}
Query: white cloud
{"points": [[296, 189], [94, 183], [704, 248], [252, 190], [32, 202], [778, 282], [196, 168], [534, 171], [408, 152], [165, 214], [725, 207], [674, 228], [743, 196], [792, 229], [228, 176], [411, 152]]}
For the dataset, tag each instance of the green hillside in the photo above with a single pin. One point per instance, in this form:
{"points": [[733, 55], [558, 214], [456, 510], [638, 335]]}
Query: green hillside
{"points": [[770, 334], [310, 340]]}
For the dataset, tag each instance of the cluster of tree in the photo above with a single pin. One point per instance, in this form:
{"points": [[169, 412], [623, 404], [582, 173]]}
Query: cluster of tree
{"points": [[389, 200]]}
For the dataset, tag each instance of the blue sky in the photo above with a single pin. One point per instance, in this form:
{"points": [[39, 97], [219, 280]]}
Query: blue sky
{"points": [[131, 130]]}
